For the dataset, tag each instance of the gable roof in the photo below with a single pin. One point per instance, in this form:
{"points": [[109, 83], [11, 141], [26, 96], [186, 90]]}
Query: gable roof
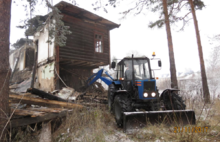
{"points": [[78, 12]]}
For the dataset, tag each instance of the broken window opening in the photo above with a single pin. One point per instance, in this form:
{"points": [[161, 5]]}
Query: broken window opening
{"points": [[98, 43]]}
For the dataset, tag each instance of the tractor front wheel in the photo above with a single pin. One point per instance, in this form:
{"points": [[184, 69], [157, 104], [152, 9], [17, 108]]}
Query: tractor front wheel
{"points": [[118, 111], [121, 104]]}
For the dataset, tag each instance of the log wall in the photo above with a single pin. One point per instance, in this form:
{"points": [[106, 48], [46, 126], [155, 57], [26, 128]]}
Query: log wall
{"points": [[80, 44]]}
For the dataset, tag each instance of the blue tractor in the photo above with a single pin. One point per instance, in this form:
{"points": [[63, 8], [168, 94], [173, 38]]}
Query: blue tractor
{"points": [[134, 99]]}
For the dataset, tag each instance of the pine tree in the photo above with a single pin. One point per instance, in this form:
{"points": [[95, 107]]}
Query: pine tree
{"points": [[174, 83], [5, 16], [202, 64]]}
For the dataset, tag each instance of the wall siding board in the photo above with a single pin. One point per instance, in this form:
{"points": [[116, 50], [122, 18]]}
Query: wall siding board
{"points": [[83, 57], [97, 60]]}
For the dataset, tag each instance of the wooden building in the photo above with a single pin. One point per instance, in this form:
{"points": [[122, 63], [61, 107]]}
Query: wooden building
{"points": [[88, 47]]}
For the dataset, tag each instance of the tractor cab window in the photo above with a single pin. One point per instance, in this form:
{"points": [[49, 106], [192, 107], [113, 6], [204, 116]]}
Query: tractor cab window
{"points": [[119, 71], [141, 69]]}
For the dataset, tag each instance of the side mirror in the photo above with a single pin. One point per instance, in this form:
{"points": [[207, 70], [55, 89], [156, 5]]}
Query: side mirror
{"points": [[159, 63], [113, 65]]}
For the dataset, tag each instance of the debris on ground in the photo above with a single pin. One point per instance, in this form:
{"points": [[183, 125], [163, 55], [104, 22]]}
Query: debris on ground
{"points": [[31, 105]]}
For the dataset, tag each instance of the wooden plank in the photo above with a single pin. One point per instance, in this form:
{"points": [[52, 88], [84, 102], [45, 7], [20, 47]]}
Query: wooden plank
{"points": [[78, 67], [44, 109], [96, 26], [57, 67], [74, 47], [43, 102], [81, 53], [93, 58], [33, 120], [24, 112], [43, 94], [109, 49], [82, 44]]}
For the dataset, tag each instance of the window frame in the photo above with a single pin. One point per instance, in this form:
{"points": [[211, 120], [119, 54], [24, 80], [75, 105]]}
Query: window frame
{"points": [[102, 41]]}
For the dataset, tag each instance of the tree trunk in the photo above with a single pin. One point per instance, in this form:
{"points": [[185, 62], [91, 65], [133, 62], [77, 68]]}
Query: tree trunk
{"points": [[206, 94], [174, 83], [5, 16]]}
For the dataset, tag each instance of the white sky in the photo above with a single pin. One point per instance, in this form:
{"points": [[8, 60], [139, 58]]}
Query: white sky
{"points": [[134, 34]]}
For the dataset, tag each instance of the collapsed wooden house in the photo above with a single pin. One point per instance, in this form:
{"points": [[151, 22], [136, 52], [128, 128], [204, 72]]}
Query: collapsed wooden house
{"points": [[88, 47]]}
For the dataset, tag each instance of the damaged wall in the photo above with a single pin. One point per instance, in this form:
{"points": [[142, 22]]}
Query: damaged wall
{"points": [[45, 60], [26, 57], [45, 77], [24, 65], [74, 78]]}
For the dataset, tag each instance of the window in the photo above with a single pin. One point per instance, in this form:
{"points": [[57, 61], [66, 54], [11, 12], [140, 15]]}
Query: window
{"points": [[98, 43], [141, 69]]}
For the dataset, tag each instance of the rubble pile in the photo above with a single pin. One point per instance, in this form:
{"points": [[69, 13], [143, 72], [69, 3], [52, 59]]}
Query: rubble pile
{"points": [[36, 106]]}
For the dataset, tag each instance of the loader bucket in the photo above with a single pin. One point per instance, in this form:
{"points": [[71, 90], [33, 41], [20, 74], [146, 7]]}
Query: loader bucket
{"points": [[135, 120]]}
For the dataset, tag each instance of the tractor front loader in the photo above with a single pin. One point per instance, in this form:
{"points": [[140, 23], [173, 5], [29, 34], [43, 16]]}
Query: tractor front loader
{"points": [[134, 99]]}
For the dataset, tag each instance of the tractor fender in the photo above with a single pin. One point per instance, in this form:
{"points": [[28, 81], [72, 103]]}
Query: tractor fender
{"points": [[121, 92], [170, 90], [113, 91]]}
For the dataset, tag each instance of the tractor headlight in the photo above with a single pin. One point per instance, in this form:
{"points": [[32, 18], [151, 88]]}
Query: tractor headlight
{"points": [[153, 94], [145, 95]]}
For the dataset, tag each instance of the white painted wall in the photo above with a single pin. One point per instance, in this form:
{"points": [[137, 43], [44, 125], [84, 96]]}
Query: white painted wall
{"points": [[45, 49]]}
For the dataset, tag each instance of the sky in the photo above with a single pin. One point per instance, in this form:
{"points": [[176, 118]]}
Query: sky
{"points": [[135, 35]]}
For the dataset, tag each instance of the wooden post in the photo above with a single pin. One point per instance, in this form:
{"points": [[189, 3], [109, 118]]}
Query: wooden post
{"points": [[57, 67], [35, 66], [45, 134]]}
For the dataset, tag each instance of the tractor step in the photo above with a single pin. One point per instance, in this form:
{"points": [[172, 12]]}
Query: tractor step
{"points": [[136, 120]]}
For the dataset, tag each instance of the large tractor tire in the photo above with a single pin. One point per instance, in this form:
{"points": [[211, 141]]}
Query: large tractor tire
{"points": [[111, 91], [110, 102], [121, 104], [173, 102]]}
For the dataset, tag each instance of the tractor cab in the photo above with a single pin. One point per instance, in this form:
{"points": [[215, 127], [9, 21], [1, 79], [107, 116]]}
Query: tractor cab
{"points": [[141, 68], [137, 77]]}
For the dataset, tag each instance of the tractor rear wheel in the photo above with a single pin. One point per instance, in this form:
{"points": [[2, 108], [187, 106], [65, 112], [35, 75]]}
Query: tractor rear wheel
{"points": [[109, 101], [121, 104], [174, 102]]}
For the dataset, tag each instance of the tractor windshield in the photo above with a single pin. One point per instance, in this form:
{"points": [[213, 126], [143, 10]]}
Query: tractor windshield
{"points": [[141, 69]]}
